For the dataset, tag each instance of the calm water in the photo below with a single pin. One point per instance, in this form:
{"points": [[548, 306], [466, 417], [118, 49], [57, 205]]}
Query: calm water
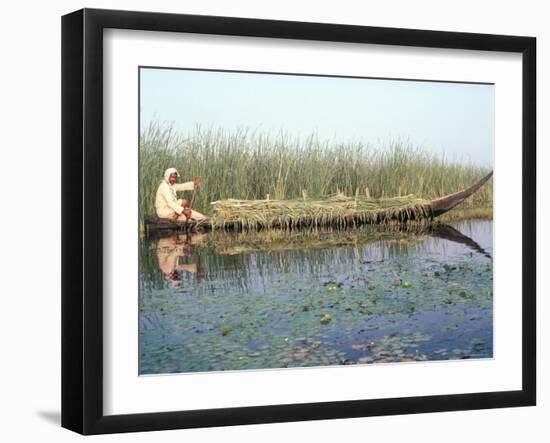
{"points": [[271, 300]]}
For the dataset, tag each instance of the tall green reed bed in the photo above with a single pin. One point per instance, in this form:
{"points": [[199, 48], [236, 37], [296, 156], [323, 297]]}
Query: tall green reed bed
{"points": [[250, 165]]}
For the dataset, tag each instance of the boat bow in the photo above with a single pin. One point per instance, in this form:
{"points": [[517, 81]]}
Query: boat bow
{"points": [[448, 202]]}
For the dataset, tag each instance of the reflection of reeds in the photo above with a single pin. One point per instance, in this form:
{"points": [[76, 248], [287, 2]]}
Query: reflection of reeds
{"points": [[232, 259], [227, 259], [224, 243], [250, 166]]}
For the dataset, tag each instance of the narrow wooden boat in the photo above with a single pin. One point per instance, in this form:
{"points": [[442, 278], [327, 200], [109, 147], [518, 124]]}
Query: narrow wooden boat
{"points": [[415, 210]]}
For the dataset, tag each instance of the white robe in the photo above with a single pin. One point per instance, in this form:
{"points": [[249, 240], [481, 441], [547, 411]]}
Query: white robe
{"points": [[166, 200]]}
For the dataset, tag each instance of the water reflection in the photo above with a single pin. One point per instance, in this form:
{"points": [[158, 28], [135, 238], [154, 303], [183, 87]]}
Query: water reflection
{"points": [[222, 301], [447, 232], [231, 256], [171, 249]]}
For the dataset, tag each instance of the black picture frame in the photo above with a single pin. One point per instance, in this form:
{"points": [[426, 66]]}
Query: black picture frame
{"points": [[82, 215]]}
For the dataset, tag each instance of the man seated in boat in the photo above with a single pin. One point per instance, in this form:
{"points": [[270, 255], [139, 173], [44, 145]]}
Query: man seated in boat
{"points": [[167, 204]]}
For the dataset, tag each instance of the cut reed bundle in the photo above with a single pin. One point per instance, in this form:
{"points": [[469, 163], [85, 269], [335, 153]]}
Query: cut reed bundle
{"points": [[337, 210]]}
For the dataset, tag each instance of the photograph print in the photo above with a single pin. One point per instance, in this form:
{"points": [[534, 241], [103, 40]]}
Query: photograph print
{"points": [[292, 221]]}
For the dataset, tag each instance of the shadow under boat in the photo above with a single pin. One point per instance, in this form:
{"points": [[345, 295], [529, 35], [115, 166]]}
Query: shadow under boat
{"points": [[447, 232]]}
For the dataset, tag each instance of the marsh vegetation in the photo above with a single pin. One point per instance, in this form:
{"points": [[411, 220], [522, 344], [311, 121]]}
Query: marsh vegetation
{"points": [[251, 165]]}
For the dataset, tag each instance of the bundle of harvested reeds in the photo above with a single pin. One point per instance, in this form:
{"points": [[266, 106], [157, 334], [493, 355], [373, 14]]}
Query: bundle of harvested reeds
{"points": [[337, 210]]}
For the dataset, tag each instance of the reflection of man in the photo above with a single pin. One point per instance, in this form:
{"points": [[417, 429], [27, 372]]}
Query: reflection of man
{"points": [[170, 249], [167, 203]]}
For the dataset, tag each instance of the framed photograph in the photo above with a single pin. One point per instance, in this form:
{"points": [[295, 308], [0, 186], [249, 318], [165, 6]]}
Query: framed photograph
{"points": [[269, 221]]}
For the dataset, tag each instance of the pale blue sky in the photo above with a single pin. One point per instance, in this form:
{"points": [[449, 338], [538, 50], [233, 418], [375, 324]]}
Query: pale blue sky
{"points": [[454, 118]]}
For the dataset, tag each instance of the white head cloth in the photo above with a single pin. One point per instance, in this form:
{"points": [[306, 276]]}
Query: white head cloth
{"points": [[169, 172]]}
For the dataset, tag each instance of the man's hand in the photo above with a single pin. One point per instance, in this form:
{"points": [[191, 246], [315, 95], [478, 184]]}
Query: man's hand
{"points": [[187, 213], [184, 203], [175, 216], [197, 181]]}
